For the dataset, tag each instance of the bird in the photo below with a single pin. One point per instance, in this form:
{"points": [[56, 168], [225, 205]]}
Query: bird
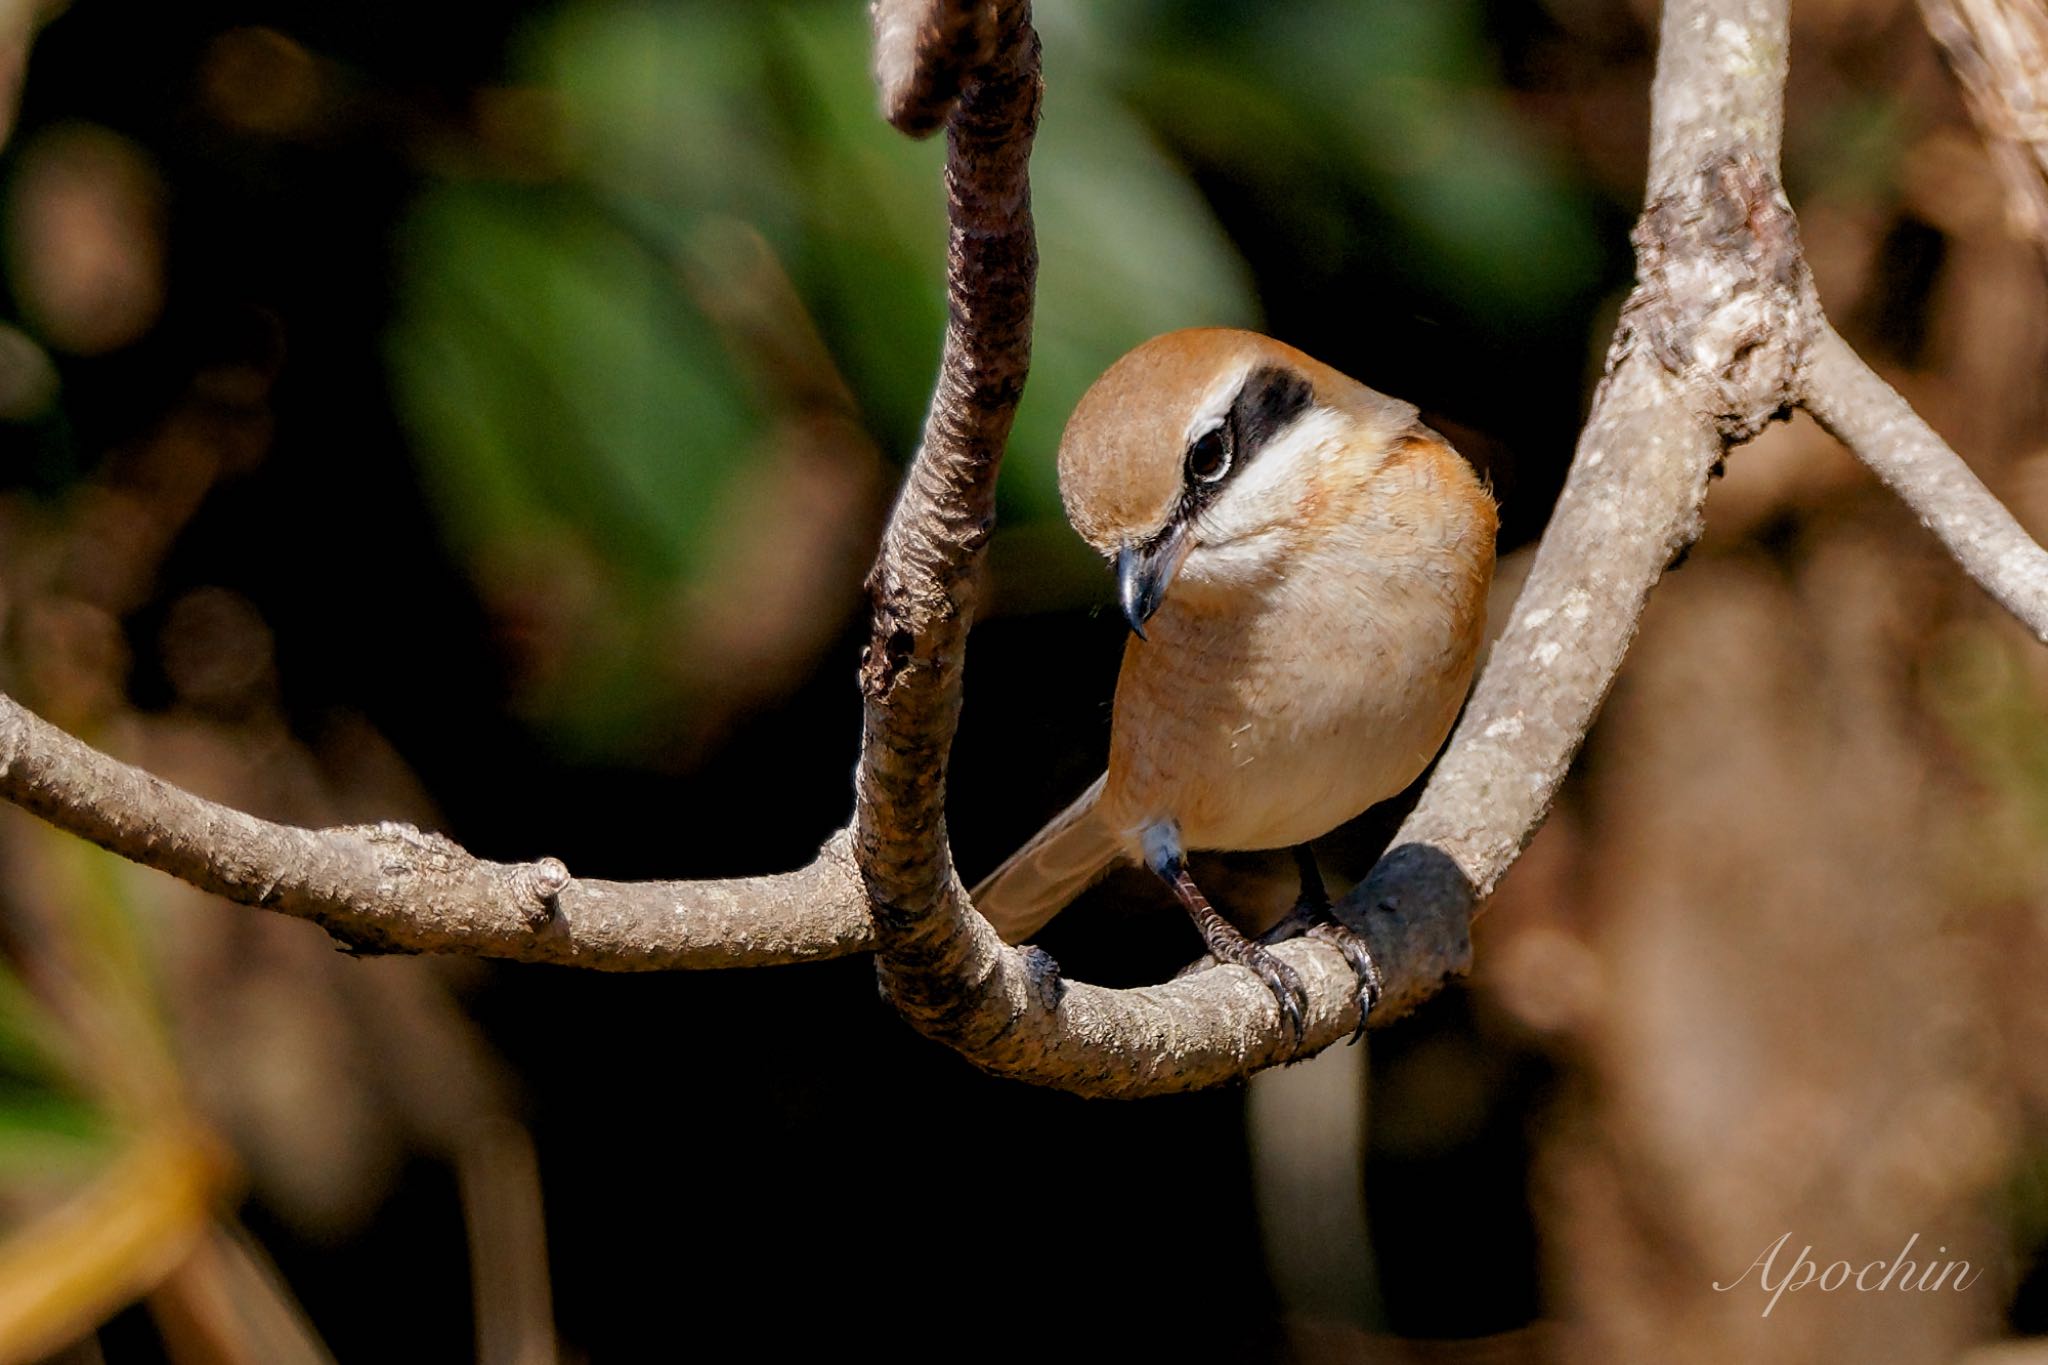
{"points": [[1303, 566]]}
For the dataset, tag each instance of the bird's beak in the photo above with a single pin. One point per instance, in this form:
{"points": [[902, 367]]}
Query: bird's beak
{"points": [[1143, 573]]}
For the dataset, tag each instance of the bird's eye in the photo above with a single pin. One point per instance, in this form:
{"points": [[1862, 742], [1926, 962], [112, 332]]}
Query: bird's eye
{"points": [[1208, 457]]}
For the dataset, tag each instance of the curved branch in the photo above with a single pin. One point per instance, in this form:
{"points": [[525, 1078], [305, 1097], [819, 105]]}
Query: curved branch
{"points": [[1708, 351], [390, 888], [1867, 415], [1711, 347], [925, 576], [1631, 505]]}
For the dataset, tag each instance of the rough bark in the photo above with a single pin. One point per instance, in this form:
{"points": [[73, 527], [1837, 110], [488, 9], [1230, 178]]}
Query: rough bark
{"points": [[391, 888], [924, 581]]}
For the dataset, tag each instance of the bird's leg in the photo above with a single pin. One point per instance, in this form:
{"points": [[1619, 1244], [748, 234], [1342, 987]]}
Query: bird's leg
{"points": [[1311, 915], [1311, 905], [1225, 941]]}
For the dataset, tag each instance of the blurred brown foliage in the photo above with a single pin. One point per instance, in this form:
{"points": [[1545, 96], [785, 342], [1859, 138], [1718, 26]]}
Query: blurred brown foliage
{"points": [[1786, 933]]}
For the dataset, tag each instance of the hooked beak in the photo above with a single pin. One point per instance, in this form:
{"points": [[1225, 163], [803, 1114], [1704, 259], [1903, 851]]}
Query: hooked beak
{"points": [[1143, 573]]}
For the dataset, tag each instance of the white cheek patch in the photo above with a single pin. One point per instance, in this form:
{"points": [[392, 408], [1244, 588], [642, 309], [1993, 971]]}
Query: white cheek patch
{"points": [[1262, 492], [1245, 562]]}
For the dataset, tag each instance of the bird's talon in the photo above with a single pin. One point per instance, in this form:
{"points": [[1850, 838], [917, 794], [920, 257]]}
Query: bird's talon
{"points": [[1288, 993], [1371, 983]]}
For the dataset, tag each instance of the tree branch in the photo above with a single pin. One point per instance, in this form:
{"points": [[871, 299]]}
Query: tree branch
{"points": [[390, 888], [1709, 349], [1867, 415], [925, 577]]}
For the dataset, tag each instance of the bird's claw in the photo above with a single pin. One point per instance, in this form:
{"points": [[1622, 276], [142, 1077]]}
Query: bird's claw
{"points": [[1371, 984], [1228, 944], [1289, 995]]}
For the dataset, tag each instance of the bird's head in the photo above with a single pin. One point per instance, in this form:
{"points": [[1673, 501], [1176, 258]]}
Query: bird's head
{"points": [[1206, 457]]}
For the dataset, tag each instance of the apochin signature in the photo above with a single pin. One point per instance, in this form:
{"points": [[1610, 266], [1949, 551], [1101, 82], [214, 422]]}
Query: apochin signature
{"points": [[1874, 1277]]}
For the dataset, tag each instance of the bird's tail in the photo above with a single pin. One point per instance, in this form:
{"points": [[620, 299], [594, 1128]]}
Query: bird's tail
{"points": [[1059, 863]]}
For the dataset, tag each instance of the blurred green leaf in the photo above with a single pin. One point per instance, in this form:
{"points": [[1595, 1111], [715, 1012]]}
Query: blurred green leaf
{"points": [[672, 104], [553, 365], [561, 382], [1396, 105], [47, 1128], [49, 1134], [1854, 151]]}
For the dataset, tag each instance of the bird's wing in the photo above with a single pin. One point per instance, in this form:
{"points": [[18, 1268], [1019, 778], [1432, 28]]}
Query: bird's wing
{"points": [[1057, 864]]}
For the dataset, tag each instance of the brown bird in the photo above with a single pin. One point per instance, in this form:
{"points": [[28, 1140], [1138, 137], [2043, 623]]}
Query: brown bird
{"points": [[1304, 566]]}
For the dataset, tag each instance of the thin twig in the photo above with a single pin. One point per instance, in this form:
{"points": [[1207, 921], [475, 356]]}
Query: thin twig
{"points": [[1867, 415]]}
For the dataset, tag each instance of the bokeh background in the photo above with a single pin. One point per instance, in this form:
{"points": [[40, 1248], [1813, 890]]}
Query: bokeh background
{"points": [[484, 418]]}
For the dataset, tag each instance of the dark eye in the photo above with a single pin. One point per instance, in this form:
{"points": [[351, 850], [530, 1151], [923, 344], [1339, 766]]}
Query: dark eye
{"points": [[1208, 457]]}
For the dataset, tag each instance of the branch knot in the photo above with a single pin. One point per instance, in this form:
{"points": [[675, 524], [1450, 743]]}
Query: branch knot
{"points": [[537, 888], [1725, 301]]}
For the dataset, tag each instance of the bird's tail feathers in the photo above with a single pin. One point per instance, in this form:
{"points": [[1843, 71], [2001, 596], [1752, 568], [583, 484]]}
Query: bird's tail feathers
{"points": [[1058, 863]]}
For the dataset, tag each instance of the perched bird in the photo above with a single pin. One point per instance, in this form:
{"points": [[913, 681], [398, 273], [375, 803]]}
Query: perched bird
{"points": [[1304, 567]]}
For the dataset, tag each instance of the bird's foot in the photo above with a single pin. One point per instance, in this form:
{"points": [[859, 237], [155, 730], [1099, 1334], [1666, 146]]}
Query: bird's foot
{"points": [[1313, 917], [1226, 943], [1289, 995], [1371, 985]]}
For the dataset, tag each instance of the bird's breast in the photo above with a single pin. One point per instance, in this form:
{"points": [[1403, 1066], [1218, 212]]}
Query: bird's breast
{"points": [[1268, 726]]}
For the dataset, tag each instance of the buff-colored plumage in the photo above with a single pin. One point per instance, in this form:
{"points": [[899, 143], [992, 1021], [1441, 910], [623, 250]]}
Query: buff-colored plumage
{"points": [[1315, 644]]}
